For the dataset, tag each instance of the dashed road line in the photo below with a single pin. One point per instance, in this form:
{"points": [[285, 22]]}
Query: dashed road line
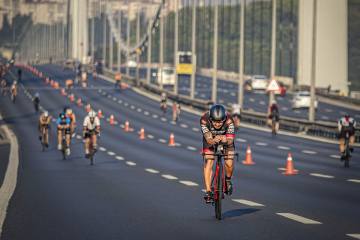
{"points": [[195, 129], [261, 144], [191, 148], [252, 100], [298, 218], [189, 183], [155, 116], [126, 104], [354, 180], [248, 203], [178, 144], [146, 113], [132, 107], [102, 149], [184, 125], [120, 101], [111, 153], [308, 152], [282, 169], [150, 170], [78, 137], [120, 158], [114, 99], [139, 110], [162, 140], [163, 119], [170, 177], [150, 136], [335, 156], [354, 235], [283, 148], [130, 163], [321, 175], [241, 140]]}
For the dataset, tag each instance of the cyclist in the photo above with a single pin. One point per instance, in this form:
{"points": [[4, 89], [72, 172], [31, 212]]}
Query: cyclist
{"points": [[274, 112], [44, 122], [118, 80], [69, 83], [71, 115], [176, 111], [36, 101], [91, 128], [346, 124], [217, 126], [13, 91], [236, 114], [3, 87], [63, 126], [163, 100], [84, 78]]}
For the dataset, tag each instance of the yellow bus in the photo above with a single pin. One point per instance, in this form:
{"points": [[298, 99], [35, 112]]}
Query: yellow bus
{"points": [[184, 63]]}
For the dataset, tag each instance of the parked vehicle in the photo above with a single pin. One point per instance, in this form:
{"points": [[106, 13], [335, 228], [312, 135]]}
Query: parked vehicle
{"points": [[257, 82], [168, 76]]}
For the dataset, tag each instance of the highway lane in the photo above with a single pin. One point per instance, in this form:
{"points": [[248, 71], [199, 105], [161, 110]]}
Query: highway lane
{"points": [[258, 181], [255, 101]]}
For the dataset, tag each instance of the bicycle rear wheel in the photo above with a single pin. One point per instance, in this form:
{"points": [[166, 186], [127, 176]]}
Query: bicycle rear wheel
{"points": [[63, 149], [218, 190]]}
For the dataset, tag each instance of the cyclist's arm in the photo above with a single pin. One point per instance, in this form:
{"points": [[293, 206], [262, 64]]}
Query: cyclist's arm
{"points": [[230, 132], [339, 125]]}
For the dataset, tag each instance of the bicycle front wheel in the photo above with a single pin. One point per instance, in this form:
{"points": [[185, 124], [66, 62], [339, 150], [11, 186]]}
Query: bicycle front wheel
{"points": [[218, 191]]}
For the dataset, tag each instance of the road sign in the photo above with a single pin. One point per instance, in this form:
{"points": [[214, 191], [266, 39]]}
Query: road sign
{"points": [[273, 86]]}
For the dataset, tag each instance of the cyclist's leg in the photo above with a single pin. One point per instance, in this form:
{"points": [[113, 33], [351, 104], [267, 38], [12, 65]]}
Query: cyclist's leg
{"points": [[351, 141], [87, 143], [94, 141], [229, 161], [46, 140], [59, 133], [208, 166], [269, 122], [342, 144]]}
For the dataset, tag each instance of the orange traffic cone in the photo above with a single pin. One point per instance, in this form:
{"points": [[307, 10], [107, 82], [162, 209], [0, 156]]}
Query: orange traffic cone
{"points": [[88, 107], [72, 98], [172, 140], [112, 120], [63, 93], [127, 126], [290, 170], [142, 134], [56, 85], [100, 114], [248, 158], [79, 103]]}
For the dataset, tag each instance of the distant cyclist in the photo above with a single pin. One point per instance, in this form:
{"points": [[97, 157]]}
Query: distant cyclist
{"points": [[118, 80], [91, 128], [217, 126], [71, 115], [3, 85], [63, 127], [346, 124], [176, 111], [36, 101], [236, 114], [44, 125], [273, 114], [163, 102], [13, 91]]}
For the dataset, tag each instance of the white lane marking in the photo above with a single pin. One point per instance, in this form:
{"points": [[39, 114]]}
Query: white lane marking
{"points": [[102, 149], [298, 218], [109, 96], [155, 116], [120, 158], [282, 169], [130, 163], [146, 113], [114, 99], [184, 125], [325, 117], [162, 140], [150, 170], [163, 119], [191, 148], [261, 144], [195, 129], [354, 235], [262, 103], [354, 180], [119, 102], [111, 153], [335, 156], [189, 183], [321, 175], [150, 136], [241, 140], [177, 144], [252, 100], [139, 110], [126, 104], [78, 137], [132, 107], [308, 152], [283, 147], [170, 177], [248, 203]]}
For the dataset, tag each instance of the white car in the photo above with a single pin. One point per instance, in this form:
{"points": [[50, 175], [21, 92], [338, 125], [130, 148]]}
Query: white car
{"points": [[259, 82], [131, 64], [302, 100], [168, 76]]}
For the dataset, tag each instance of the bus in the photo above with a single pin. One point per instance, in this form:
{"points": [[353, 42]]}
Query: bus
{"points": [[184, 64]]}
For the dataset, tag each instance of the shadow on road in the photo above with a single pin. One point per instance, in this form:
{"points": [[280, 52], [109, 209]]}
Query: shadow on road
{"points": [[239, 212]]}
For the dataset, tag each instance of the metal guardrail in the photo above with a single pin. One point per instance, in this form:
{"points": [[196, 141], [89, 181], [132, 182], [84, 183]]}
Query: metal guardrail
{"points": [[318, 128]]}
